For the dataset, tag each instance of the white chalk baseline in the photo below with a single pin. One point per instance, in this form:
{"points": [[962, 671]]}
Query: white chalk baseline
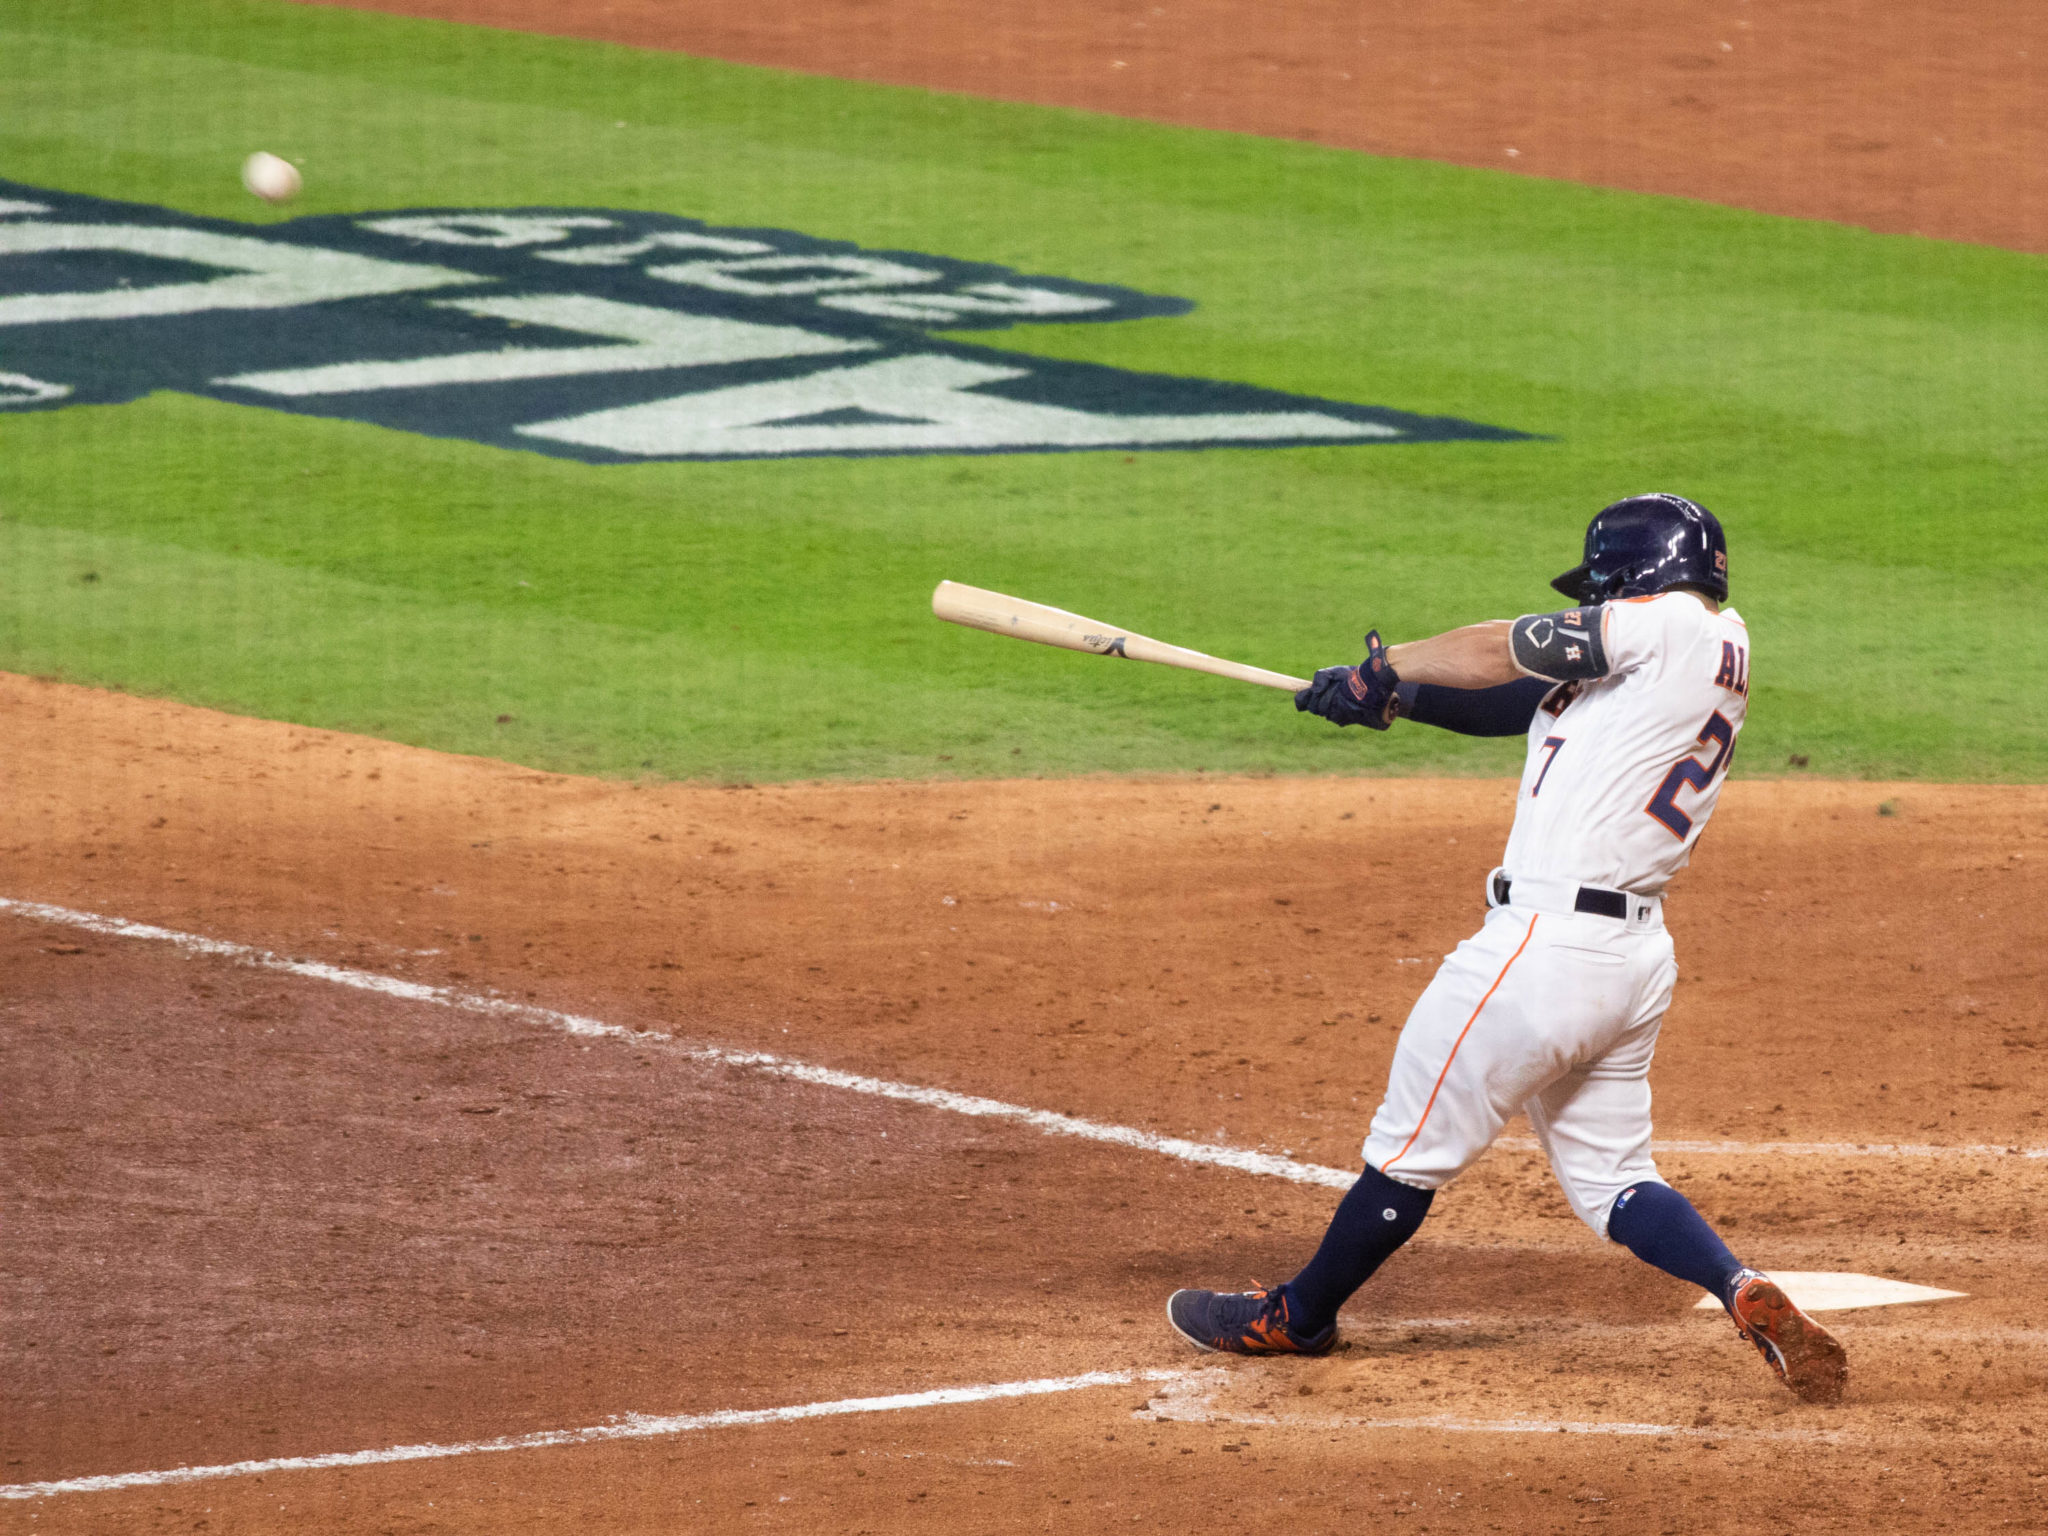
{"points": [[631, 1426], [1051, 1122]]}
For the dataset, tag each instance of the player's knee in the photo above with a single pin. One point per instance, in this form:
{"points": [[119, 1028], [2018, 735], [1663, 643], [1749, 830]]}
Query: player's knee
{"points": [[1595, 1205], [1422, 1175], [1421, 1162]]}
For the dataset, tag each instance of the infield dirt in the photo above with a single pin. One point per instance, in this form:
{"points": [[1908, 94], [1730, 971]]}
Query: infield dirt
{"points": [[258, 1216]]}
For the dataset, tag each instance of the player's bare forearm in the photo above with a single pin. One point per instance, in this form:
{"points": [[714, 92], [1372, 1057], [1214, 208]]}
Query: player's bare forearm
{"points": [[1477, 656]]}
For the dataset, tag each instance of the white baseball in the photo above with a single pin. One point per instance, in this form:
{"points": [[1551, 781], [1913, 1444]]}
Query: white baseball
{"points": [[273, 179]]}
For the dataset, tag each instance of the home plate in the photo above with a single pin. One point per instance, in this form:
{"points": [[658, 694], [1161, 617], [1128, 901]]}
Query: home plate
{"points": [[1837, 1290]]}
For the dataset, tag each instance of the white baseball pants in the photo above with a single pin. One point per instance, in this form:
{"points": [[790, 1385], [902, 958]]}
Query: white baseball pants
{"points": [[1545, 1010]]}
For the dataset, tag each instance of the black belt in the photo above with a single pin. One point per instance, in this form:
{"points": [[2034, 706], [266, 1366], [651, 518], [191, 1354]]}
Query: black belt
{"points": [[1591, 899]]}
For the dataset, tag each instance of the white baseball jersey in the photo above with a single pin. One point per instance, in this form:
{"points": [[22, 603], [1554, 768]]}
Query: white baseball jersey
{"points": [[1552, 1011], [1621, 780]]}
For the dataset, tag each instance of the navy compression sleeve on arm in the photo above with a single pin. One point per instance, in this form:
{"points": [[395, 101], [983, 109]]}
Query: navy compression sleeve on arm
{"points": [[1505, 710]]}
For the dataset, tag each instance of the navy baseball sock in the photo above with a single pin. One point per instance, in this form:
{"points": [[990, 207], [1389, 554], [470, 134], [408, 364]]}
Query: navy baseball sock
{"points": [[1659, 1226], [1376, 1216]]}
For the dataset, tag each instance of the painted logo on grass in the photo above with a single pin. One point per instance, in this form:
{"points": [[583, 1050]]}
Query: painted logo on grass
{"points": [[600, 335]]}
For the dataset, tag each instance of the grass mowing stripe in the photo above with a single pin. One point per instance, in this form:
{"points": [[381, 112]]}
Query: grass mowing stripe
{"points": [[427, 634], [1860, 408]]}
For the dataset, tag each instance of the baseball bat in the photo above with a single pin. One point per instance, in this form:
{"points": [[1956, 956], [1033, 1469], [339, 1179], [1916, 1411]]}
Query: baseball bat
{"points": [[1021, 620]]}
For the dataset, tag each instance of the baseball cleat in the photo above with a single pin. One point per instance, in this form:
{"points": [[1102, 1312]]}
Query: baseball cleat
{"points": [[1807, 1358], [1243, 1323]]}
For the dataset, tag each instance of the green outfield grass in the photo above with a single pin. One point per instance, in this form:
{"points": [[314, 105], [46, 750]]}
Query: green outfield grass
{"points": [[1865, 412]]}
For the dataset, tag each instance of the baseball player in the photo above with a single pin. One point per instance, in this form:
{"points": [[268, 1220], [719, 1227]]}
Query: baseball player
{"points": [[1631, 701]]}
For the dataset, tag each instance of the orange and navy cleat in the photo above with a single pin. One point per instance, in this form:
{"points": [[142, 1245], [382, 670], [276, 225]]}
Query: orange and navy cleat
{"points": [[1807, 1358], [1243, 1323]]}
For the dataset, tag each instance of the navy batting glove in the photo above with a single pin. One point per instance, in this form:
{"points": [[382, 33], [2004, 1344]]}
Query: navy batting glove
{"points": [[1360, 695]]}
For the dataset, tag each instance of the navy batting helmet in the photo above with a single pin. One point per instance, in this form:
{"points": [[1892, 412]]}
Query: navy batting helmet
{"points": [[1647, 544]]}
